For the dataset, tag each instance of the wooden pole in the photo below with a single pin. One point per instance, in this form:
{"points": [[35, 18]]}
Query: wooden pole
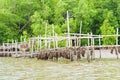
{"points": [[8, 47], [100, 45], [38, 43], [56, 41], [80, 32], [16, 48], [12, 44], [117, 44], [92, 45], [32, 46], [45, 35], [53, 30], [117, 37], [74, 40], [88, 40], [3, 49], [53, 34], [68, 27]]}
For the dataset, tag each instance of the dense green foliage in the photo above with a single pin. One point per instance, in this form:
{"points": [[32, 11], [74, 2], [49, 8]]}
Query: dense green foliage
{"points": [[29, 17]]}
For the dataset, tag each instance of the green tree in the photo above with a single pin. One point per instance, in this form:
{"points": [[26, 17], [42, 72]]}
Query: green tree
{"points": [[107, 29]]}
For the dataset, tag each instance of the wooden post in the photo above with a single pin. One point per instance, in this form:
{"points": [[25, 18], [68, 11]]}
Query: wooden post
{"points": [[88, 40], [53, 34], [8, 47], [68, 28], [3, 49], [92, 45], [46, 29], [117, 37], [74, 40], [56, 40], [46, 35], [100, 46], [12, 45], [117, 44], [16, 46], [32, 46], [40, 43], [52, 30], [38, 48], [91, 39], [80, 32], [45, 43]]}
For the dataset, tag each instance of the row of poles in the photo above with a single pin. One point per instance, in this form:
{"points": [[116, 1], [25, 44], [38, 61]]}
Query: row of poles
{"points": [[55, 38]]}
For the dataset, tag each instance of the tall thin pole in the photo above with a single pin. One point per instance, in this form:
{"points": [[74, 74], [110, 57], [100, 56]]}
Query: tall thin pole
{"points": [[100, 45], [80, 27], [88, 40], [53, 29], [68, 27], [45, 35], [46, 29], [80, 32], [53, 36], [117, 37]]}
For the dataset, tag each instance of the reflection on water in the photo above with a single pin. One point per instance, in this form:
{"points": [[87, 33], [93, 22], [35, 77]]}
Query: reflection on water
{"points": [[33, 69]]}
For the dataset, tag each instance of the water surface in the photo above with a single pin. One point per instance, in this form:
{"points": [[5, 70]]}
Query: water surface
{"points": [[33, 69]]}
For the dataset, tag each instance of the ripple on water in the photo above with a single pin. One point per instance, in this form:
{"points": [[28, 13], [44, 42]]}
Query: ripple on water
{"points": [[32, 69]]}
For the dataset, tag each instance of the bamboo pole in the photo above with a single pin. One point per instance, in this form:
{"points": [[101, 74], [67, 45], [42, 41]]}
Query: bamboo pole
{"points": [[7, 49], [117, 44], [38, 47], [40, 43], [80, 32], [88, 40], [56, 40], [100, 45], [32, 46], [117, 37], [46, 36], [12, 44], [53, 34], [3, 49], [16, 46], [68, 28]]}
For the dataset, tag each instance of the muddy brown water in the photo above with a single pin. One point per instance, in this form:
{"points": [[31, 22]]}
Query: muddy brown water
{"points": [[33, 69]]}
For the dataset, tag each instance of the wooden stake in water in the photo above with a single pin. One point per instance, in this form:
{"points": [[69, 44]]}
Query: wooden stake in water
{"points": [[117, 37], [4, 48], [80, 32], [100, 46], [45, 35], [68, 28], [53, 34], [88, 40]]}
